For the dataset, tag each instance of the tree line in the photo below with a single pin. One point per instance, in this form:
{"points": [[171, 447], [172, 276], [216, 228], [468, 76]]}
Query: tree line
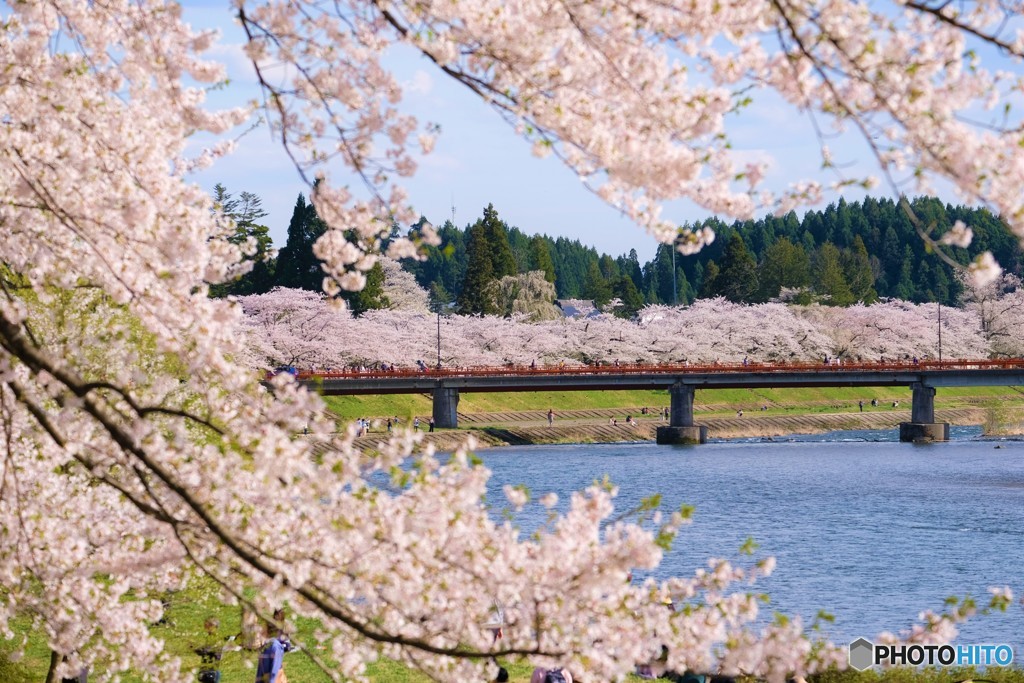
{"points": [[847, 253]]}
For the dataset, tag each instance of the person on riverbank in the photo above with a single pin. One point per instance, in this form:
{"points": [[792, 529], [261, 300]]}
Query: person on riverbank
{"points": [[270, 667], [430, 424], [416, 423], [551, 417], [860, 404], [558, 675]]}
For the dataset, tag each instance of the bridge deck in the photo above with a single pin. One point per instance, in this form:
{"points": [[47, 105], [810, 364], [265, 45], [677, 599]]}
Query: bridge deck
{"points": [[983, 372]]}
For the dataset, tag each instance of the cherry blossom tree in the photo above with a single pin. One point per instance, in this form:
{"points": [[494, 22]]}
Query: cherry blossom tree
{"points": [[401, 289], [298, 328], [999, 307], [138, 444], [898, 330], [528, 295]]}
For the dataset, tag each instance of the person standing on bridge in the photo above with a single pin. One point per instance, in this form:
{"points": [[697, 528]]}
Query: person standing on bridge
{"points": [[551, 417]]}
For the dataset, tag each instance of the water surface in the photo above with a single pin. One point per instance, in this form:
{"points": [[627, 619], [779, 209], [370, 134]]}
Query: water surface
{"points": [[869, 529]]}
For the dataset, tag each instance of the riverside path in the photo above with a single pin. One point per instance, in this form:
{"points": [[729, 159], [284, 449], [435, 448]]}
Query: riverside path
{"points": [[681, 381]]}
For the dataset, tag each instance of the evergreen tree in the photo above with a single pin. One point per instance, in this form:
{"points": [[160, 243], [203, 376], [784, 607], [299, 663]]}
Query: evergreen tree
{"points": [[709, 287], [540, 258], [609, 268], [737, 278], [297, 266], [905, 283], [473, 297], [857, 269], [660, 275], [370, 297], [686, 292], [626, 291], [630, 265], [595, 286], [440, 299], [829, 280], [503, 262], [697, 282], [246, 211], [785, 265]]}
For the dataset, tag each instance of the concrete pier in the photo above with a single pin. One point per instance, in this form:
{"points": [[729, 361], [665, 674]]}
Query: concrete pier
{"points": [[924, 432], [922, 426], [446, 406], [694, 434], [681, 429]]}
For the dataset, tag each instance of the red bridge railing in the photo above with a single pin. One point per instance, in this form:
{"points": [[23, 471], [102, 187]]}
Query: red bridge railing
{"points": [[668, 368]]}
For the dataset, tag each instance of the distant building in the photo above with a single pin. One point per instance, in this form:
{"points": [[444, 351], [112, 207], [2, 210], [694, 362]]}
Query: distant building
{"points": [[577, 308]]}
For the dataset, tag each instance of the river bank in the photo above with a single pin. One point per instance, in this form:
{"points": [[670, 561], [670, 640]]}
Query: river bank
{"points": [[609, 425]]}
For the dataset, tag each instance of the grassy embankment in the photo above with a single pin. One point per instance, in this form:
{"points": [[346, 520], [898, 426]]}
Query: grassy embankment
{"points": [[710, 402], [190, 608]]}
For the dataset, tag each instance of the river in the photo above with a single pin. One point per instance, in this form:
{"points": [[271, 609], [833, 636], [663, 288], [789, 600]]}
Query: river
{"points": [[871, 530]]}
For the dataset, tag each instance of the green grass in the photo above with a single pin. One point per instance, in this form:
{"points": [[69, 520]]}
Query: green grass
{"points": [[183, 632], [911, 675], [801, 400], [191, 607]]}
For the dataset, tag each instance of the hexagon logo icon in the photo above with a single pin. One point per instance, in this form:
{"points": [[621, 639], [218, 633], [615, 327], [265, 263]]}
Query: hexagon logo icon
{"points": [[861, 654]]}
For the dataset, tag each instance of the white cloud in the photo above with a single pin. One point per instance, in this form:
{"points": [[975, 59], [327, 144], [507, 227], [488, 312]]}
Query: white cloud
{"points": [[421, 83]]}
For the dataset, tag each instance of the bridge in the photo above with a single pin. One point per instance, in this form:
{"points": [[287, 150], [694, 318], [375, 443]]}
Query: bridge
{"points": [[682, 381]]}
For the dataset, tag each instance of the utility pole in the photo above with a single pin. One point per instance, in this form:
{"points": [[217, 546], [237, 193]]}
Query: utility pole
{"points": [[675, 290], [439, 336], [940, 333]]}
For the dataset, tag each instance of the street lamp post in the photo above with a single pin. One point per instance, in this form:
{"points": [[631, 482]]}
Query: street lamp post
{"points": [[940, 333], [439, 337]]}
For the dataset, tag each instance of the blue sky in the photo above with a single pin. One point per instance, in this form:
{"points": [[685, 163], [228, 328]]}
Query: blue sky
{"points": [[479, 160]]}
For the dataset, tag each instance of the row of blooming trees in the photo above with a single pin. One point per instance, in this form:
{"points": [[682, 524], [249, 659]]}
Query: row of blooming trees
{"points": [[137, 447], [301, 328]]}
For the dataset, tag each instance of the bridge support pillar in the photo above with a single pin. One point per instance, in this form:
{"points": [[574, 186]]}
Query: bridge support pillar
{"points": [[922, 425], [681, 429], [446, 405]]}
